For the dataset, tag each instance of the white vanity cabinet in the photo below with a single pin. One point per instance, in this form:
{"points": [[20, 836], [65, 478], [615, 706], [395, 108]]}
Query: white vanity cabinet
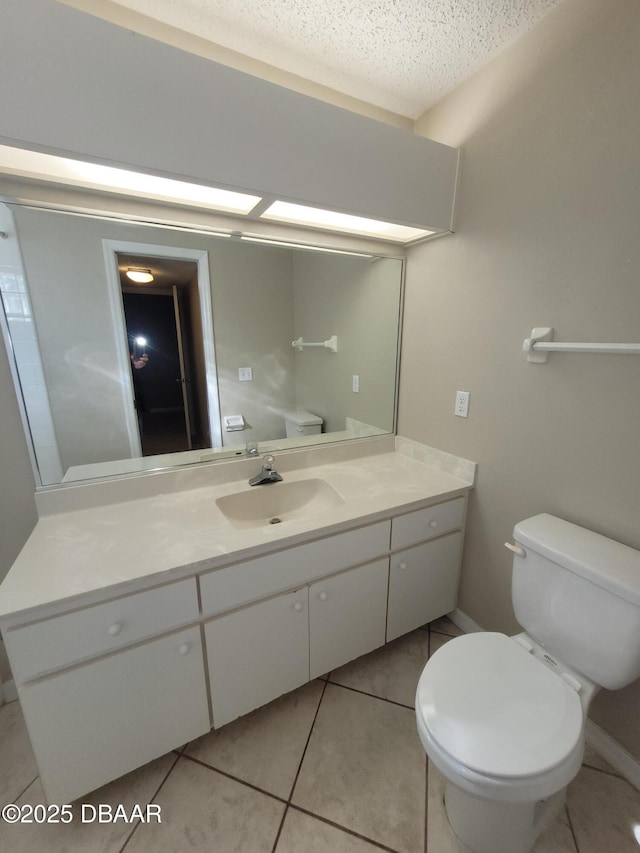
{"points": [[109, 683], [262, 651], [94, 721], [258, 652], [423, 578]]}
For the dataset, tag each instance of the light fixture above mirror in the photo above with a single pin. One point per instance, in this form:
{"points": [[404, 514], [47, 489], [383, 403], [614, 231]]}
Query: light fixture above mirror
{"points": [[299, 214], [34, 165]]}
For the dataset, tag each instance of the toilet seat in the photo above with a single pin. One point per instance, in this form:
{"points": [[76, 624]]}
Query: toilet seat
{"points": [[496, 715]]}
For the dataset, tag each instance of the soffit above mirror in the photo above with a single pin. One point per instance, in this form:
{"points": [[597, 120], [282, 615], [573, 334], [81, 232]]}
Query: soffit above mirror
{"points": [[34, 165], [166, 112]]}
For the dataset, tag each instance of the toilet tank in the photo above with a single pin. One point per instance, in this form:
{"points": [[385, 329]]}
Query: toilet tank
{"points": [[302, 423], [578, 594]]}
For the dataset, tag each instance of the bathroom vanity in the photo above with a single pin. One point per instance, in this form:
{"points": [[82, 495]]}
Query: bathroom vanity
{"points": [[139, 615]]}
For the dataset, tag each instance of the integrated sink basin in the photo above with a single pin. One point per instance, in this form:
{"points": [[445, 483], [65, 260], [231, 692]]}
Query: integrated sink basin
{"points": [[277, 502]]}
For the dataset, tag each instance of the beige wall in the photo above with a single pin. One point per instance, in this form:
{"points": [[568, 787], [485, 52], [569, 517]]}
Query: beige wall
{"points": [[359, 301], [253, 318], [547, 235]]}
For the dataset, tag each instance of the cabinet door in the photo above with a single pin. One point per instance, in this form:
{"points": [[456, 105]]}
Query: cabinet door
{"points": [[93, 723], [257, 653], [347, 616], [423, 584]]}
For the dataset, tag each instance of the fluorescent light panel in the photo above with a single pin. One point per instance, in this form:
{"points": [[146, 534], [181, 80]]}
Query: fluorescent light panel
{"points": [[298, 214], [63, 170], [33, 164]]}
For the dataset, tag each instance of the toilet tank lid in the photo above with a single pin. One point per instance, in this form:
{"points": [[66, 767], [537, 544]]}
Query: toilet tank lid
{"points": [[602, 561], [301, 418]]}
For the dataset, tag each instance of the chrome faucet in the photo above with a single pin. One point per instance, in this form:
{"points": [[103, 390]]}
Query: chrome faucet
{"points": [[267, 474]]}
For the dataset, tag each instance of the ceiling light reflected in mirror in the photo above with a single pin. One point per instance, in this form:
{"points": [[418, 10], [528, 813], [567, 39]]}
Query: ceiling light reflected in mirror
{"points": [[140, 276]]}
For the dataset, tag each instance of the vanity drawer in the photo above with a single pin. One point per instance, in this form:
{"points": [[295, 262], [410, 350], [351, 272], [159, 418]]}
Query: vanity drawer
{"points": [[245, 582], [62, 640], [427, 523]]}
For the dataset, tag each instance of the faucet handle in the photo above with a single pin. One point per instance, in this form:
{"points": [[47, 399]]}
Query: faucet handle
{"points": [[267, 464]]}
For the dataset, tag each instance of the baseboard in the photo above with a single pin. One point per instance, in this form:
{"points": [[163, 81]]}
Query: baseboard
{"points": [[606, 747], [8, 692], [611, 751], [464, 622]]}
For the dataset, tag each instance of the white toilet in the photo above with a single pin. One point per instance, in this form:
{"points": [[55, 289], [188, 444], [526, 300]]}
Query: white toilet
{"points": [[301, 423], [503, 717]]}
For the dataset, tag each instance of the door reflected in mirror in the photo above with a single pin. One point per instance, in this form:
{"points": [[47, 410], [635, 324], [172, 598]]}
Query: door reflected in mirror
{"points": [[217, 368]]}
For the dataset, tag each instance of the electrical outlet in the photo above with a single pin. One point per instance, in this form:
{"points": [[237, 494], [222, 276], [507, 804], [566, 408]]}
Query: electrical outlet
{"points": [[245, 374], [461, 408], [355, 383]]}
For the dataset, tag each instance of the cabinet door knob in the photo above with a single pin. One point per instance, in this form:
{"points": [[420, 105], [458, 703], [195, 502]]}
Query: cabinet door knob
{"points": [[297, 606], [114, 629], [433, 523], [402, 565], [184, 648], [323, 596]]}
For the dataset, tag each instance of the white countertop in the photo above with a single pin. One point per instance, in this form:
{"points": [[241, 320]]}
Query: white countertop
{"points": [[79, 557]]}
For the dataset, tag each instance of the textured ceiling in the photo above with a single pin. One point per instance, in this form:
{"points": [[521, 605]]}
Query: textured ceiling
{"points": [[400, 55]]}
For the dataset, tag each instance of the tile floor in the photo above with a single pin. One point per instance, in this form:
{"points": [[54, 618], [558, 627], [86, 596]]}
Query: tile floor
{"points": [[335, 767]]}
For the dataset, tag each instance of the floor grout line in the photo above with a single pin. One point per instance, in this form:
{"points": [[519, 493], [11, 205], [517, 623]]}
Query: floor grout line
{"points": [[288, 802], [443, 633], [304, 752], [573, 833], [24, 790], [345, 829], [372, 695], [233, 778], [606, 772], [158, 789]]}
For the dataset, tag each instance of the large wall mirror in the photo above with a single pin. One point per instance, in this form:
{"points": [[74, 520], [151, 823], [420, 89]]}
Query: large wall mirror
{"points": [[223, 345]]}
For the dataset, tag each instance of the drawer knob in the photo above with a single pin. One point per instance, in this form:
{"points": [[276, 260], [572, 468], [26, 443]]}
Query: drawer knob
{"points": [[114, 629], [297, 606], [433, 523], [402, 565], [184, 648], [323, 596]]}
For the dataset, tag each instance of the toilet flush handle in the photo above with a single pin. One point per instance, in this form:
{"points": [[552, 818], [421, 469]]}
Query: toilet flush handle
{"points": [[520, 552]]}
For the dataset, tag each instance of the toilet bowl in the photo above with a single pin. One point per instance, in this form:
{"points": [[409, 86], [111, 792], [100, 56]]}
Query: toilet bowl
{"points": [[502, 717], [507, 734]]}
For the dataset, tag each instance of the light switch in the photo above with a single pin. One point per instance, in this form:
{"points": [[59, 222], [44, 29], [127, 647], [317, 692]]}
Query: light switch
{"points": [[245, 374], [355, 383]]}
